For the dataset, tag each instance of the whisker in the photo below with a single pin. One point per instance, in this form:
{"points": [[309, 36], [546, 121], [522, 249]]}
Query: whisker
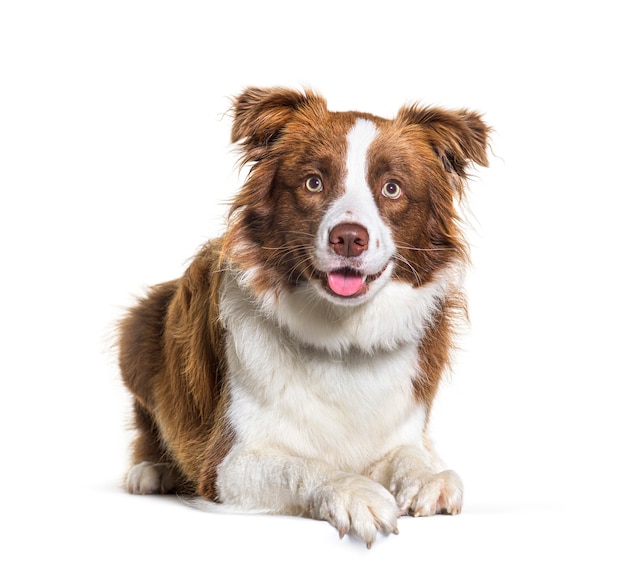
{"points": [[409, 248], [306, 260], [300, 255], [405, 264]]}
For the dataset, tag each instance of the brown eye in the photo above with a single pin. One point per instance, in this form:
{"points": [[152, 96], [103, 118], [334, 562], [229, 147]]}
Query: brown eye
{"points": [[392, 190], [314, 184]]}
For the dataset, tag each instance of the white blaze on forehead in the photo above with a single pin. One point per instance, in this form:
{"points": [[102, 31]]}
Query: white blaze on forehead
{"points": [[358, 205], [360, 138]]}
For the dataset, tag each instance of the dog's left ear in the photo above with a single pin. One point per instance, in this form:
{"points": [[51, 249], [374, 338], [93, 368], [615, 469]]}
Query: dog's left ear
{"points": [[261, 114], [459, 137]]}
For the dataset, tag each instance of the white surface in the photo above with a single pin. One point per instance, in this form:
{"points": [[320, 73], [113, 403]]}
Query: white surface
{"points": [[114, 166]]}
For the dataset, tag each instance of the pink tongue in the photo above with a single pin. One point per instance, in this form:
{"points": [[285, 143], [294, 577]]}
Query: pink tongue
{"points": [[345, 283]]}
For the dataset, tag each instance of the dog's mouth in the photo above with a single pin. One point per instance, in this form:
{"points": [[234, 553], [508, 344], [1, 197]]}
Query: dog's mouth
{"points": [[348, 282]]}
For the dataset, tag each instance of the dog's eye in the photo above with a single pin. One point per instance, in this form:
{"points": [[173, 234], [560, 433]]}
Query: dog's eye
{"points": [[392, 190], [314, 184]]}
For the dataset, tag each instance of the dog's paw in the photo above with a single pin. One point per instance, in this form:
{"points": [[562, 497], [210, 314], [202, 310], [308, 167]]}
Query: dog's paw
{"points": [[146, 478], [357, 505], [428, 494]]}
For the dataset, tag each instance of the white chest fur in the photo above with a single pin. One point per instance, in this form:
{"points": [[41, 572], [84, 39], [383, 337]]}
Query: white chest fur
{"points": [[317, 382]]}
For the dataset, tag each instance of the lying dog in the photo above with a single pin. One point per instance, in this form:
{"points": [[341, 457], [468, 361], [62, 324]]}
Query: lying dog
{"points": [[294, 365]]}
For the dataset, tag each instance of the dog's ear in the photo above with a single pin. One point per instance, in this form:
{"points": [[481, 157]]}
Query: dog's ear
{"points": [[261, 114], [459, 137]]}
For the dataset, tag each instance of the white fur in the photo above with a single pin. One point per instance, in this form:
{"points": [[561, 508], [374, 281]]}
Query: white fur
{"points": [[398, 314], [287, 391], [321, 394]]}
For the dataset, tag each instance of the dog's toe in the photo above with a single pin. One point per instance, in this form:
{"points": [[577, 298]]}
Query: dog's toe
{"points": [[430, 494]]}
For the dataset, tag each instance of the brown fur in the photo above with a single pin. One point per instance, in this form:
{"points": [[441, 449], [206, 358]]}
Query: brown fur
{"points": [[172, 344], [171, 358]]}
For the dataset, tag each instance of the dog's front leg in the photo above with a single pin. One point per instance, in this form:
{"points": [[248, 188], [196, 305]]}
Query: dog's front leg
{"points": [[418, 488], [281, 483]]}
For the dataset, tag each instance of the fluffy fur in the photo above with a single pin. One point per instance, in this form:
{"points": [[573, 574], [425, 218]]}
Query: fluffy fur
{"points": [[293, 367]]}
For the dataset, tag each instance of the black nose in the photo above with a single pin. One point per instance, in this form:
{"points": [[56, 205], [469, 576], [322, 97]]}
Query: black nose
{"points": [[349, 240]]}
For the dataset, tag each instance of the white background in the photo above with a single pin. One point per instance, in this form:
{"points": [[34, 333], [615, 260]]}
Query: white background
{"points": [[115, 166]]}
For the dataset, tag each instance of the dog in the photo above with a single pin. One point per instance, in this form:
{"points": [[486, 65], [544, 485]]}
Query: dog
{"points": [[292, 368]]}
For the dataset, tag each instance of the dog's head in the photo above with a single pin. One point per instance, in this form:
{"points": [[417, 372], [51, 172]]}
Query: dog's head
{"points": [[344, 201]]}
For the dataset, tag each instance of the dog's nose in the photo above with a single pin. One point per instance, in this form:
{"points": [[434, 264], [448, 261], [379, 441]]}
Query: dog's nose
{"points": [[349, 240]]}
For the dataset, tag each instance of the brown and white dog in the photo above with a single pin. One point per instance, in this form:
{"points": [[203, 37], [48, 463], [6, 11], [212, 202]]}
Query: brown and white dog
{"points": [[293, 367]]}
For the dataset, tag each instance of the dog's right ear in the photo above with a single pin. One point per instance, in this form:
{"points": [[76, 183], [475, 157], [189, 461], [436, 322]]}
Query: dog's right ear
{"points": [[261, 114]]}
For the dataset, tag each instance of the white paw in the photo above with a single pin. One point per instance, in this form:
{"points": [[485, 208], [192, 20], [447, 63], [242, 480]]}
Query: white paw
{"points": [[357, 505], [428, 494], [146, 478]]}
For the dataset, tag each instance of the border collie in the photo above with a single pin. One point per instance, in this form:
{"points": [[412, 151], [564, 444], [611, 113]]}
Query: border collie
{"points": [[293, 367]]}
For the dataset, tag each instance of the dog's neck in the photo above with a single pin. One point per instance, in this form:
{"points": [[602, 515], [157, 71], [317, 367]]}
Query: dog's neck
{"points": [[311, 321]]}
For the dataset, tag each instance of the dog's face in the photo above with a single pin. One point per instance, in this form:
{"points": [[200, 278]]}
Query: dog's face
{"points": [[346, 202]]}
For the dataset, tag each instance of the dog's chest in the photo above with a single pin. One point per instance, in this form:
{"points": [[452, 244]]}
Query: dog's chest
{"points": [[348, 409]]}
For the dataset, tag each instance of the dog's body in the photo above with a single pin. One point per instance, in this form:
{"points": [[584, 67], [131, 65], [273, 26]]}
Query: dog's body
{"points": [[294, 365]]}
